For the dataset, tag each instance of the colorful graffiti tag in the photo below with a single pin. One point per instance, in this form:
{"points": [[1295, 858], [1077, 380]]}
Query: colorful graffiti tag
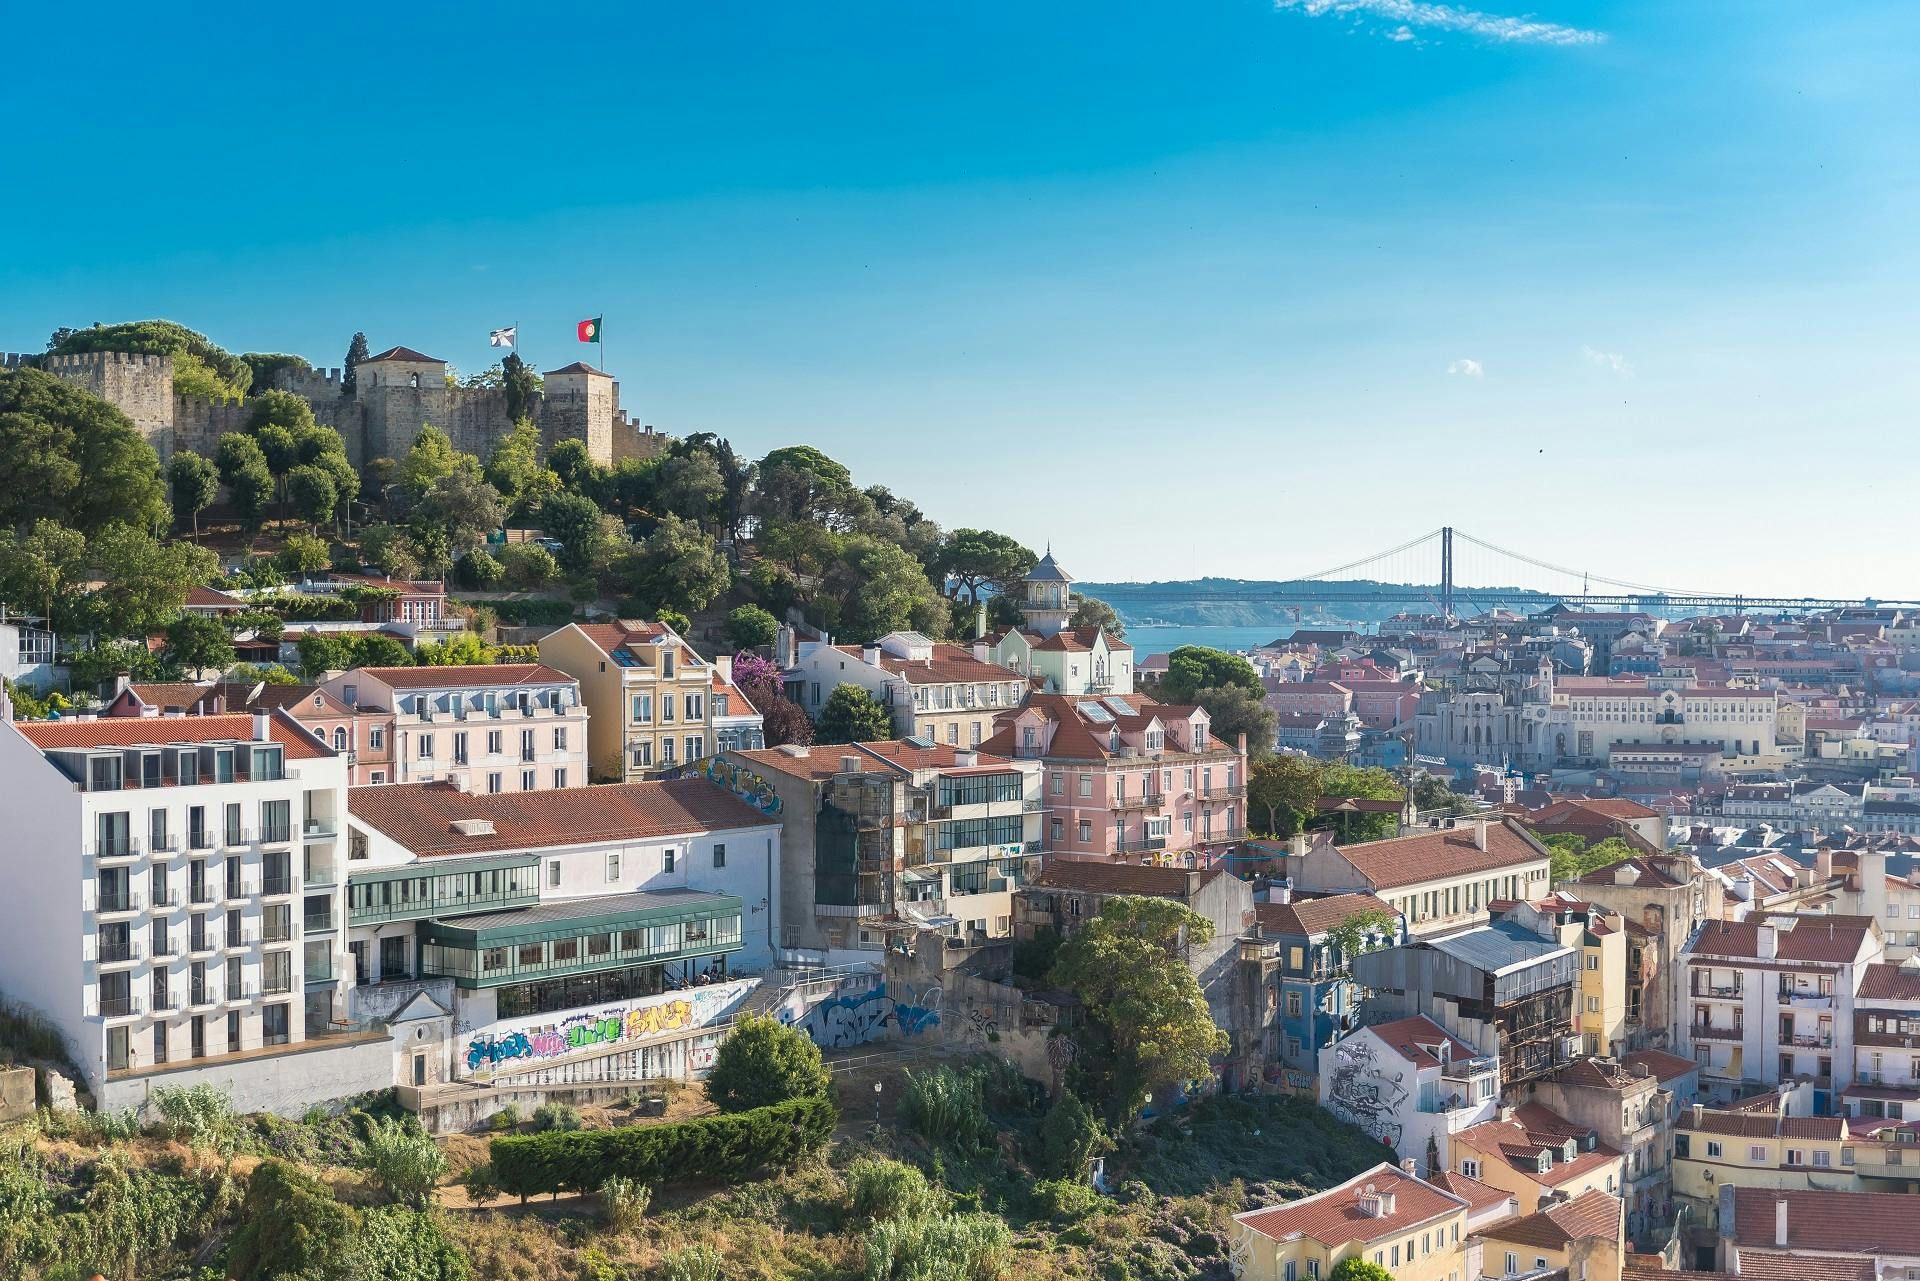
{"points": [[584, 1031], [856, 1017], [744, 783], [1362, 1093]]}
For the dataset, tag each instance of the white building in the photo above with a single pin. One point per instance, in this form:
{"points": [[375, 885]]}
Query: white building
{"points": [[508, 727], [558, 926], [199, 938], [943, 693], [1411, 1084]]}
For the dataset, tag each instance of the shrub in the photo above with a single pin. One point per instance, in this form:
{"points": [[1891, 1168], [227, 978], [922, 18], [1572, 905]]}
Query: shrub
{"points": [[751, 627], [944, 1106], [883, 1189], [726, 1148], [290, 1226], [1070, 1137], [526, 613], [528, 565], [201, 1116], [695, 1263], [405, 1161], [952, 1247], [1065, 1199], [507, 1118], [763, 1062], [397, 1244], [556, 1116], [624, 1202], [481, 1187]]}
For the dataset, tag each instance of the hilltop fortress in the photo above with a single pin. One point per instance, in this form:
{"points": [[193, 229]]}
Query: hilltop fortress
{"points": [[396, 392]]}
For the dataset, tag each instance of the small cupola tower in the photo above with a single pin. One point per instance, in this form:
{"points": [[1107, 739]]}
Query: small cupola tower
{"points": [[1049, 601]]}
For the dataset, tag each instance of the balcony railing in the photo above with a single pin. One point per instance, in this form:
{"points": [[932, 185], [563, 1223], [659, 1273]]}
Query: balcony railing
{"points": [[123, 902], [164, 848], [121, 847], [277, 834], [318, 829], [277, 985], [120, 953], [317, 875], [120, 1007], [166, 949], [1805, 1042], [1144, 801], [1142, 845], [315, 922], [273, 885], [1808, 1000], [281, 933], [1223, 793], [1707, 1032], [1718, 990]]}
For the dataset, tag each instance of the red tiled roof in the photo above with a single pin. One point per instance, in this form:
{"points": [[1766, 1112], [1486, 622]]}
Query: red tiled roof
{"points": [[1765, 1125], [135, 731], [577, 367], [1664, 1066], [1836, 1222], [402, 353], [471, 674], [1645, 874], [1781, 1265], [815, 763], [1889, 983], [1309, 917], [1334, 1217], [1431, 855], [1594, 1074], [1594, 1213], [1603, 807], [1519, 1141], [1417, 1038], [212, 598], [1479, 1196], [947, 663], [1098, 876], [419, 816], [1829, 939]]}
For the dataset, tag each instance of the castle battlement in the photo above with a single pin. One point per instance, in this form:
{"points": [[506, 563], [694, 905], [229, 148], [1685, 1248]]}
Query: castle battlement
{"points": [[83, 361]]}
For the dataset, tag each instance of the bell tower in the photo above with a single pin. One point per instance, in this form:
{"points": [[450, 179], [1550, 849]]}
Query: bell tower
{"points": [[1049, 602]]}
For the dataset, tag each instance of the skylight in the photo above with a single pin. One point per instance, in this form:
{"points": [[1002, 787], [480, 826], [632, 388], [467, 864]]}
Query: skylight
{"points": [[1095, 713]]}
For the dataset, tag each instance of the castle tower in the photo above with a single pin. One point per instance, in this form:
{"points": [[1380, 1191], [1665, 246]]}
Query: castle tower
{"points": [[1049, 601], [579, 403], [401, 390], [139, 385]]}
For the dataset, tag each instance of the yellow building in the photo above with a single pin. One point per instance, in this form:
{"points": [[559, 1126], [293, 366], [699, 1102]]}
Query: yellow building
{"points": [[1764, 1149], [1583, 1237], [1533, 1152], [1385, 1216], [1601, 1019], [649, 696]]}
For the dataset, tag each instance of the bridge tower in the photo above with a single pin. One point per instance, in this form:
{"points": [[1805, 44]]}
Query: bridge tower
{"points": [[1446, 570]]}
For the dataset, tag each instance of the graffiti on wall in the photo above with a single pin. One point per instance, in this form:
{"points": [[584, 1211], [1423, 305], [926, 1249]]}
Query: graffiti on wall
{"points": [[854, 1018], [586, 1030], [1364, 1092], [744, 783]]}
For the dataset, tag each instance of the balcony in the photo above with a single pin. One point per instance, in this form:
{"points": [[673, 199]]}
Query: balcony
{"points": [[201, 896], [317, 875], [1227, 793], [241, 942], [278, 985], [1718, 992], [120, 953], [116, 851], [121, 1007], [163, 849], [278, 834], [1807, 1000], [167, 949], [118, 904], [1464, 1069], [1141, 845], [317, 922], [318, 829], [274, 886], [319, 972], [170, 899], [202, 945], [165, 1003], [1707, 1032], [235, 838], [1804, 1042], [1144, 801], [580, 936], [280, 933], [202, 998]]}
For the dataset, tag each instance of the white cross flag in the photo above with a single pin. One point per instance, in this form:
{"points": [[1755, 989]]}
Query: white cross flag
{"points": [[502, 337]]}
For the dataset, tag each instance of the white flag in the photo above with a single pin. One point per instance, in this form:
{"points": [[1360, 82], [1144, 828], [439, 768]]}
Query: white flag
{"points": [[502, 337]]}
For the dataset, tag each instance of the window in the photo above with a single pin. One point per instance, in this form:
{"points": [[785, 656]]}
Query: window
{"points": [[424, 745], [1822, 1159], [560, 777], [613, 867], [1313, 1269], [1593, 961], [566, 950], [1289, 1272], [642, 755], [1470, 1168], [493, 782], [560, 738], [1713, 1149], [376, 737], [526, 780], [666, 859], [1757, 1153], [1513, 1264], [553, 873], [693, 707], [493, 742], [719, 855], [1086, 785], [1294, 1004], [1086, 831]]}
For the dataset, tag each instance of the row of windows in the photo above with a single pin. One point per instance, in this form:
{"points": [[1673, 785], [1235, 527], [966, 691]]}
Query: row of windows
{"points": [[167, 1047], [113, 835], [1448, 902], [424, 744], [692, 707], [641, 753], [1083, 783], [979, 789]]}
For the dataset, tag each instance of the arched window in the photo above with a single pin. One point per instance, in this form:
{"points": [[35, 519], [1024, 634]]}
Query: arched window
{"points": [[339, 738]]}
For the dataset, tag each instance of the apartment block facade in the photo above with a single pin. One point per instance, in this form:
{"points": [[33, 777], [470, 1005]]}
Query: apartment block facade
{"points": [[650, 694], [943, 693]]}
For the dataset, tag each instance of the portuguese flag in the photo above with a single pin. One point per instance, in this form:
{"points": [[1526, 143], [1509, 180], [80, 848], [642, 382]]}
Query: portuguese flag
{"points": [[589, 330]]}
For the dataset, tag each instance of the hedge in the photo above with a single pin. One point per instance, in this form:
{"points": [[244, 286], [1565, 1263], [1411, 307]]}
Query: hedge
{"points": [[527, 612], [726, 1148]]}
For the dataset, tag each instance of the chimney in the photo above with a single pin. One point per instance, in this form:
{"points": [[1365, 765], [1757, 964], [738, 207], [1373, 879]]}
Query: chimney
{"points": [[979, 651], [1297, 845], [1480, 834], [870, 654], [723, 663], [262, 719], [783, 646], [849, 764], [980, 619], [966, 758], [1780, 1222], [1699, 1111], [1823, 863], [1410, 1168], [120, 684]]}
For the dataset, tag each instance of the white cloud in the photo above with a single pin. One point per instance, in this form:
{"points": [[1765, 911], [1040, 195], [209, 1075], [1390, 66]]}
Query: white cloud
{"points": [[1411, 14], [1466, 368], [1607, 360]]}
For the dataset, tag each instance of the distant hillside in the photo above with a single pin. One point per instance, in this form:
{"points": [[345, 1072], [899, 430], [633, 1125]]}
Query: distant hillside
{"points": [[1238, 602]]}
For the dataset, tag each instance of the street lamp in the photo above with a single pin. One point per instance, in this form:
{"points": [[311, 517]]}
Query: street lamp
{"points": [[877, 1088]]}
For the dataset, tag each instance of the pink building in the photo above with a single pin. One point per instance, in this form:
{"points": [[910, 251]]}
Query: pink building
{"points": [[1126, 776], [1310, 698], [1383, 704]]}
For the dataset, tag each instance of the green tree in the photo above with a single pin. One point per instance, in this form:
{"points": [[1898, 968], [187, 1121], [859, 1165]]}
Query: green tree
{"points": [[878, 588], [195, 482], [462, 507], [1363, 783], [801, 483], [1128, 967], [514, 468], [143, 581], [1284, 786], [1070, 1137], [1573, 857], [521, 384], [750, 627], [1192, 668], [321, 652], [94, 667], [431, 457], [390, 549], [404, 1160], [266, 366], [71, 457], [195, 641], [1431, 792], [243, 470], [574, 520], [1091, 611], [1233, 711], [572, 463], [314, 494], [42, 571], [691, 487], [980, 558], [677, 567], [528, 565], [200, 368], [1356, 1268], [305, 554], [1359, 932], [356, 353], [283, 409], [736, 476], [851, 715], [763, 1062]]}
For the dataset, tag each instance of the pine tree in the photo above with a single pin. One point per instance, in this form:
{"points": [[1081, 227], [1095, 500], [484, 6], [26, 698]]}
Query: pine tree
{"points": [[356, 352]]}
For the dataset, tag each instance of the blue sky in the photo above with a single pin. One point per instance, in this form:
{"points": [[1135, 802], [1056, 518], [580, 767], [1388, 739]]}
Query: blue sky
{"points": [[1222, 286]]}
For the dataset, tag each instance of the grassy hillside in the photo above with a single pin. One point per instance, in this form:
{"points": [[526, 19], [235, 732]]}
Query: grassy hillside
{"points": [[183, 1204]]}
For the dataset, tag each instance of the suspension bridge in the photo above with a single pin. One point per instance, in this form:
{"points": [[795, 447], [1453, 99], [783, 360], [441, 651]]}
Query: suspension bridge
{"points": [[1449, 571]]}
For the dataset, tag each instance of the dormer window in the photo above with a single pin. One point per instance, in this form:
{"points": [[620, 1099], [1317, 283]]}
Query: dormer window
{"points": [[1568, 1153]]}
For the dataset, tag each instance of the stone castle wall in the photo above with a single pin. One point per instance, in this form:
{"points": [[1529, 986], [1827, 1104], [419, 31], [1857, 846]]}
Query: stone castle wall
{"points": [[379, 422]]}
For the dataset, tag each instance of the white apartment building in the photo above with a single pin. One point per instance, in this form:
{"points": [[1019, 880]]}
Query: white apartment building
{"points": [[508, 727], [1772, 998], [199, 937], [558, 927], [1440, 880], [947, 694]]}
